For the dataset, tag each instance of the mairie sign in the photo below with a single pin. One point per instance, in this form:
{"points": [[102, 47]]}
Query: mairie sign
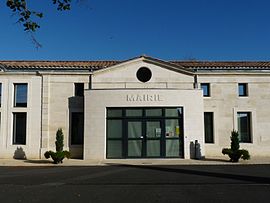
{"points": [[144, 97]]}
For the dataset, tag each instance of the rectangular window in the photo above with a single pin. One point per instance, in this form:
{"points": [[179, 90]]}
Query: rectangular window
{"points": [[206, 89], [79, 89], [20, 95], [244, 126], [77, 128], [242, 89], [208, 127], [0, 94], [19, 128]]}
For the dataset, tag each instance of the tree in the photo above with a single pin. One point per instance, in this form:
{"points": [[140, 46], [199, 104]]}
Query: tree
{"points": [[27, 17], [234, 152], [59, 155]]}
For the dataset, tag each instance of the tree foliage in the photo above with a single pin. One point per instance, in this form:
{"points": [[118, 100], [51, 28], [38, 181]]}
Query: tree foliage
{"points": [[59, 155], [28, 17], [234, 152]]}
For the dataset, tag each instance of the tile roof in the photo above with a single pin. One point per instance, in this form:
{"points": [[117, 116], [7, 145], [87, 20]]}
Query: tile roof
{"points": [[95, 65], [58, 64]]}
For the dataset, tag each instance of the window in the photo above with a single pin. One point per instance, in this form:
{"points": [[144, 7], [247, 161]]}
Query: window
{"points": [[242, 89], [244, 126], [208, 127], [206, 89], [19, 128], [144, 74], [79, 89], [77, 128], [0, 94], [20, 95]]}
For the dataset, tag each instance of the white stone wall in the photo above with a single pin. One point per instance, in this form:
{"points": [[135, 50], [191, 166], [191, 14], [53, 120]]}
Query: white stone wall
{"points": [[58, 104], [33, 110], [225, 103], [95, 115]]}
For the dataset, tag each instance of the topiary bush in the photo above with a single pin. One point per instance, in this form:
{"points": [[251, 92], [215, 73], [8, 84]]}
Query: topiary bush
{"points": [[59, 155], [234, 152]]}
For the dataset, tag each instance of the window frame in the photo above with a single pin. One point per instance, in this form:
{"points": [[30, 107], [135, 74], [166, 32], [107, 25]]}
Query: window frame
{"points": [[250, 135], [245, 86], [78, 92], [14, 129], [72, 128], [212, 128], [207, 85], [15, 104]]}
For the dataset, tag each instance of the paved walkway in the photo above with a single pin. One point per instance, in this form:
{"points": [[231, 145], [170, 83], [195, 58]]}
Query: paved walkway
{"points": [[77, 162]]}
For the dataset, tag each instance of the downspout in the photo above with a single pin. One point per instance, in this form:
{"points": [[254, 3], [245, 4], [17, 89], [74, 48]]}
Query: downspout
{"points": [[195, 84], [41, 111], [90, 86], [90, 82]]}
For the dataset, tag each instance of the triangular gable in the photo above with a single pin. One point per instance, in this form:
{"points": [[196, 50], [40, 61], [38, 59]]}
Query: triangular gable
{"points": [[147, 59]]}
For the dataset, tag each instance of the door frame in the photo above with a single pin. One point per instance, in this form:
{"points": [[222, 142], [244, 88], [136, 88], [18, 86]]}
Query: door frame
{"points": [[144, 138], [143, 119]]}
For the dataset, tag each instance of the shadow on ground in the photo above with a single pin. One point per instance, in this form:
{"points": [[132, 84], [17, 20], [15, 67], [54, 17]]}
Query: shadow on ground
{"points": [[215, 159], [253, 179], [38, 161]]}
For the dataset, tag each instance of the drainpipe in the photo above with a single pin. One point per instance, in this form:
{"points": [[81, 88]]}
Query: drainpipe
{"points": [[195, 84], [90, 81], [41, 111]]}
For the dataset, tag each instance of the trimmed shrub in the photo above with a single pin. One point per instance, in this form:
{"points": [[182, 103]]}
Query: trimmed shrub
{"points": [[59, 155], [234, 152]]}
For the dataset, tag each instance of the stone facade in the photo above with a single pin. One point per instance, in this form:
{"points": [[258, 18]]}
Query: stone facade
{"points": [[51, 100]]}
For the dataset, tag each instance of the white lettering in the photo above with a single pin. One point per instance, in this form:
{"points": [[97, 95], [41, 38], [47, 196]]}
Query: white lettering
{"points": [[144, 97]]}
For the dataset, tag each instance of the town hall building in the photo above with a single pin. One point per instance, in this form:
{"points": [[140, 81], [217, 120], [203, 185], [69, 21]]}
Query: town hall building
{"points": [[139, 108]]}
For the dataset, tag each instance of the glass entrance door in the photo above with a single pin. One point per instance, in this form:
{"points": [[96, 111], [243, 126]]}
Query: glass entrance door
{"points": [[144, 138], [153, 138], [134, 139], [142, 132]]}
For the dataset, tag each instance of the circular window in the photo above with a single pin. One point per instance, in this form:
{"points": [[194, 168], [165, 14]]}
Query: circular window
{"points": [[144, 74]]}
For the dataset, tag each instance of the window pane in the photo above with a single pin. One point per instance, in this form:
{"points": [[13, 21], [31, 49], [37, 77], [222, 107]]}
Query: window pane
{"points": [[114, 148], [172, 128], [153, 148], [242, 89], [153, 129], [206, 89], [135, 129], [134, 112], [244, 127], [114, 128], [153, 112], [173, 112], [77, 128], [19, 128], [208, 127], [20, 96], [114, 113], [172, 148], [79, 89], [134, 148]]}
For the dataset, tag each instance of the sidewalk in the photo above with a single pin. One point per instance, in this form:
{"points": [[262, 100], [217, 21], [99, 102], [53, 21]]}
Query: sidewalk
{"points": [[77, 162]]}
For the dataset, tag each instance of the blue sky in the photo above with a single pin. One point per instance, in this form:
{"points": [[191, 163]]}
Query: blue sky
{"points": [[122, 29]]}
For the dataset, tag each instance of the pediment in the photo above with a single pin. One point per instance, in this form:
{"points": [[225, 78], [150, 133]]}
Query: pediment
{"points": [[148, 60], [126, 74]]}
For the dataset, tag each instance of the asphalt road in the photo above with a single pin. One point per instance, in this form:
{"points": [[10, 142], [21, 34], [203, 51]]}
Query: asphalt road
{"points": [[148, 183]]}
